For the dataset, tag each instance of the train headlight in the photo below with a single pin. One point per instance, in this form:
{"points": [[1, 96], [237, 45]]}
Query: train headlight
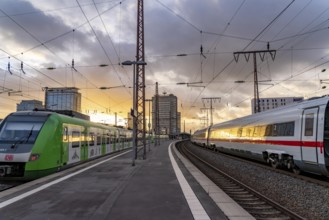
{"points": [[34, 157], [2, 171]]}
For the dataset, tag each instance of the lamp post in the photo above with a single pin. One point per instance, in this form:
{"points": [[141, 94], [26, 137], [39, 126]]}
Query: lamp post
{"points": [[149, 124], [135, 107]]}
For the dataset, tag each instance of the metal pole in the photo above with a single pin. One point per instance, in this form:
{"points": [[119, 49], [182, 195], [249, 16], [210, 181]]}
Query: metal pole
{"points": [[169, 133], [134, 116], [256, 93], [149, 123], [262, 55], [211, 113]]}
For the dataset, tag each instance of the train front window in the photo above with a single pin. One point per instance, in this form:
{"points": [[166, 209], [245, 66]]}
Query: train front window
{"points": [[20, 131]]}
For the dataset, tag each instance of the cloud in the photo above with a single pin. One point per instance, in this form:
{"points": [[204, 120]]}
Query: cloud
{"points": [[172, 28]]}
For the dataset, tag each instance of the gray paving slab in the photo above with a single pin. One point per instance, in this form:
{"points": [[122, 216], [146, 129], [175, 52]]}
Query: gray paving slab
{"points": [[153, 193], [112, 190]]}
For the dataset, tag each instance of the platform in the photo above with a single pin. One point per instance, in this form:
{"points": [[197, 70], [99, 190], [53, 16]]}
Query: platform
{"points": [[160, 187]]}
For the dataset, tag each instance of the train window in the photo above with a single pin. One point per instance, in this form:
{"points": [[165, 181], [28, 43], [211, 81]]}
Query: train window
{"points": [[309, 122], [75, 139], [84, 138], [233, 132], [21, 128], [248, 132], [239, 132], [290, 129], [99, 140], [65, 134], [275, 130], [213, 134], [256, 131], [268, 131], [226, 133], [262, 130], [282, 129], [91, 139]]}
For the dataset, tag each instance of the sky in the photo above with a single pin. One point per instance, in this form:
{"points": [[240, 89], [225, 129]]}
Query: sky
{"points": [[47, 35]]}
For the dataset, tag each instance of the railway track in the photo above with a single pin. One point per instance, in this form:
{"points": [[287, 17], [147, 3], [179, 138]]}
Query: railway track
{"points": [[311, 178], [255, 203]]}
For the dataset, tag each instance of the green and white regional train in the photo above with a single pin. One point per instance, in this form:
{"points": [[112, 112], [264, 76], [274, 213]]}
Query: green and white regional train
{"points": [[37, 143]]}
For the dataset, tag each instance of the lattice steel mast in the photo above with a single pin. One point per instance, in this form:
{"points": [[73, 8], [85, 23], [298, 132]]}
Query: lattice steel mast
{"points": [[140, 78]]}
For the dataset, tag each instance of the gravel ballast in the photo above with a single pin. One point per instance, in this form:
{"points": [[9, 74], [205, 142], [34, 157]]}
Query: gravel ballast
{"points": [[306, 199]]}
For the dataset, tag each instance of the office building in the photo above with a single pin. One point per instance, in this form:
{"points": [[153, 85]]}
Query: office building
{"points": [[271, 103], [169, 118], [29, 105], [179, 123], [67, 98]]}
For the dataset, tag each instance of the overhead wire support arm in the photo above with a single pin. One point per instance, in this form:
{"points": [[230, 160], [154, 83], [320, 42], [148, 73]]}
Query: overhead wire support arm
{"points": [[260, 52], [211, 100], [72, 66], [22, 69], [256, 107], [201, 52], [201, 48], [9, 70]]}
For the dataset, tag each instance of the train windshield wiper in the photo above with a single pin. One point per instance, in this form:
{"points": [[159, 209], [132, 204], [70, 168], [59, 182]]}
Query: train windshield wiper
{"points": [[30, 134], [26, 138]]}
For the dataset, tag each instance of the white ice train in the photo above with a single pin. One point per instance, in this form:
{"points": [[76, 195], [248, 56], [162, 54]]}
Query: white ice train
{"points": [[295, 136]]}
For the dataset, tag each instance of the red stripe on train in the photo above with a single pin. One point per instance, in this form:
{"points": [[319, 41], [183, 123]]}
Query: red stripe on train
{"points": [[277, 142]]}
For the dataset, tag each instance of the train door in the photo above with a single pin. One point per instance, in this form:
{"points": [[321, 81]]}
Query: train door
{"points": [[309, 136], [74, 145], [65, 145], [84, 145]]}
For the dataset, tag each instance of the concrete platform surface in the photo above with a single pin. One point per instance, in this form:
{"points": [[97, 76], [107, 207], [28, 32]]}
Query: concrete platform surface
{"points": [[110, 188]]}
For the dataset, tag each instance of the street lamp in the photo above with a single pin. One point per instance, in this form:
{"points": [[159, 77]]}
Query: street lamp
{"points": [[149, 124], [135, 107]]}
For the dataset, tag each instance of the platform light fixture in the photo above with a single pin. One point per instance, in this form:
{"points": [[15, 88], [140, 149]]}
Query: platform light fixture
{"points": [[135, 107]]}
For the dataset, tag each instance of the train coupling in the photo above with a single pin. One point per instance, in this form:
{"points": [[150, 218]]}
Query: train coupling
{"points": [[270, 159], [5, 170]]}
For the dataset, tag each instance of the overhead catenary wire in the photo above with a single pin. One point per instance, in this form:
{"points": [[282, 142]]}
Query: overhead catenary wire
{"points": [[230, 62], [179, 16], [60, 84], [255, 38], [100, 43], [215, 72], [43, 43], [107, 32], [59, 9]]}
